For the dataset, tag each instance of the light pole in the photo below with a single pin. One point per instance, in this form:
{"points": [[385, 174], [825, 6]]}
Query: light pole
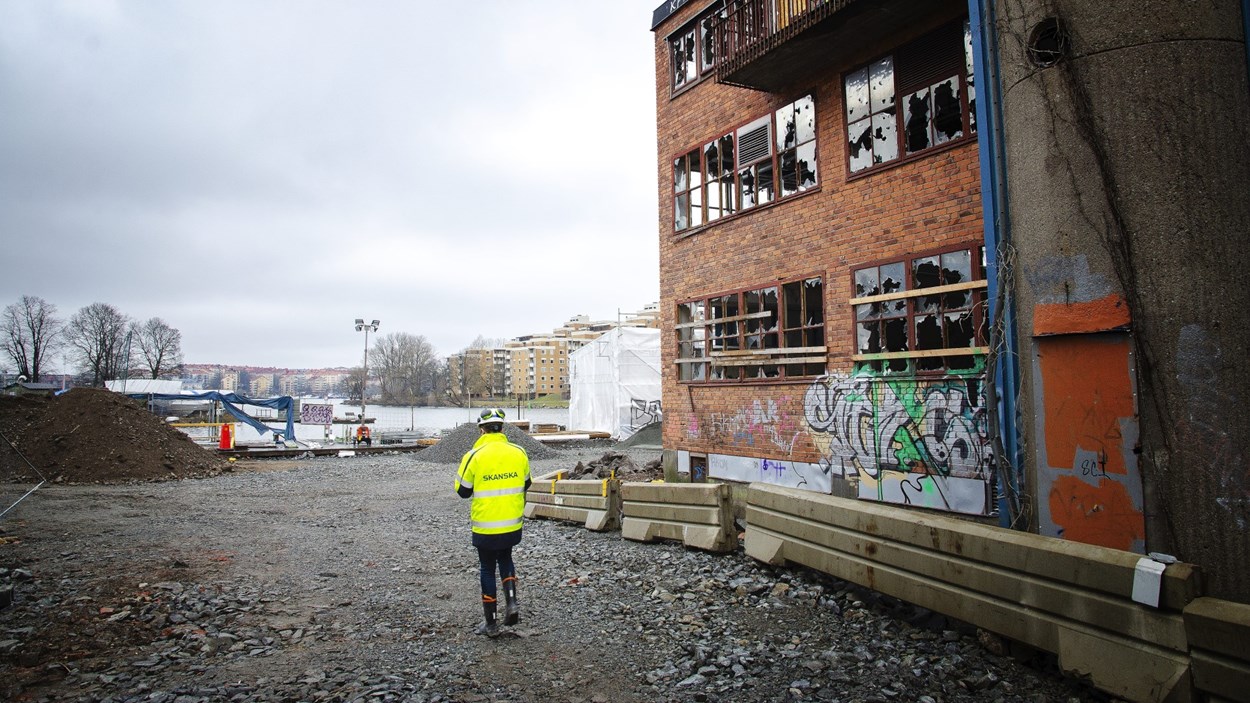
{"points": [[364, 382]]}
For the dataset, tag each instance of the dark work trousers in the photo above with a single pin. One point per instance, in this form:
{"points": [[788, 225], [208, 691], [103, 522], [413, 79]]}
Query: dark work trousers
{"points": [[495, 552]]}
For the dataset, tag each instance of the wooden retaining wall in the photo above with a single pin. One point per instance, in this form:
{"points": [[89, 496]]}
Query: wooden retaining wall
{"points": [[699, 515], [595, 503], [1072, 599]]}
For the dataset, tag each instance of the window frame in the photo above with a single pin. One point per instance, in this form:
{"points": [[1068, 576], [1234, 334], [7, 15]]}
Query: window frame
{"points": [[731, 177], [739, 338], [966, 81], [915, 361], [697, 33]]}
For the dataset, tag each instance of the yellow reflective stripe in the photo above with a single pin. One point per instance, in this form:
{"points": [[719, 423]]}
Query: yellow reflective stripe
{"points": [[497, 523], [604, 493], [499, 492]]}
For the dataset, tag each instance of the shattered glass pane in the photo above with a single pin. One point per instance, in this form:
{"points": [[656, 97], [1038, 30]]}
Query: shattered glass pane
{"points": [[972, 106], [948, 120], [866, 283], [968, 49], [770, 306], [747, 178], [727, 153], [681, 212], [881, 84], [681, 179], [814, 301], [787, 128], [794, 338], [897, 366], [925, 272], [956, 268], [764, 187], [929, 363], [789, 173], [856, 84], [711, 159], [815, 337], [805, 118], [896, 334], [893, 278], [807, 165], [884, 137], [960, 362], [708, 41], [867, 311], [860, 144], [916, 121], [928, 332], [960, 329]]}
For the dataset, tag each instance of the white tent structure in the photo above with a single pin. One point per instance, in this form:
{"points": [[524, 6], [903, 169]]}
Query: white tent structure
{"points": [[614, 382]]}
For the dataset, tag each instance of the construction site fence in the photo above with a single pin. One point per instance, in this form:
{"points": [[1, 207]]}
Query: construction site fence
{"points": [[1136, 627]]}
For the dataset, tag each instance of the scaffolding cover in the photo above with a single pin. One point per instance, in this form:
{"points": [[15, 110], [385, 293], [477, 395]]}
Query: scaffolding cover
{"points": [[614, 382]]}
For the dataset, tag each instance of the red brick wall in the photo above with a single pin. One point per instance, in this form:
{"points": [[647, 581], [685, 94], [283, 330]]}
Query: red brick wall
{"points": [[927, 203]]}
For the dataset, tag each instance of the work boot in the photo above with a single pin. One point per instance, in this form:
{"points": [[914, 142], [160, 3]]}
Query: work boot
{"points": [[489, 626], [512, 607]]}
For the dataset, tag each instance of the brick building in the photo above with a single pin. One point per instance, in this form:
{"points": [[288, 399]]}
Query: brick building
{"points": [[821, 249]]}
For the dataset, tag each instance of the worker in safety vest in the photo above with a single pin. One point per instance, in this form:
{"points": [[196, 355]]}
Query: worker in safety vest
{"points": [[495, 474]]}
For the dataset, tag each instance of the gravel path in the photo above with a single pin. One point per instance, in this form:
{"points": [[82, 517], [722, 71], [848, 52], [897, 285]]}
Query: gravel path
{"points": [[338, 579]]}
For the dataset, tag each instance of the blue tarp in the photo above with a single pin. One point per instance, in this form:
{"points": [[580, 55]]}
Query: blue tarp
{"points": [[231, 401]]}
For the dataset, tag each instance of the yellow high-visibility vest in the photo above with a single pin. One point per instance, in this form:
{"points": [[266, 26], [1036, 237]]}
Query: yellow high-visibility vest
{"points": [[496, 470]]}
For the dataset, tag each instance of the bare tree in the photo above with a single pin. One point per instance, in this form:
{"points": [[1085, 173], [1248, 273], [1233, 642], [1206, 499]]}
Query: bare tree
{"points": [[160, 347], [97, 340], [405, 365], [30, 333]]}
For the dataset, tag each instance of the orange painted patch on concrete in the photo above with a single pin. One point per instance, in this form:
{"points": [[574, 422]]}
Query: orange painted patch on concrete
{"points": [[1102, 315], [1087, 392], [1102, 514]]}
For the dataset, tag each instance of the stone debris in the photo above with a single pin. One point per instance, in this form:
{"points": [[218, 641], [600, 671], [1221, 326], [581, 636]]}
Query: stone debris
{"points": [[354, 580], [453, 445], [616, 465]]}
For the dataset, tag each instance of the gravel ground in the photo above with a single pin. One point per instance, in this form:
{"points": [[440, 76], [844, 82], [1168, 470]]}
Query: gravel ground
{"points": [[337, 579]]}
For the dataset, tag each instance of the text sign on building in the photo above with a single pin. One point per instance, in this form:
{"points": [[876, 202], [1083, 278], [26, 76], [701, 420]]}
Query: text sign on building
{"points": [[665, 10]]}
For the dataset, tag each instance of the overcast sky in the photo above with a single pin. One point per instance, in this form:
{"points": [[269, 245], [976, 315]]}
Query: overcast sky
{"points": [[260, 173]]}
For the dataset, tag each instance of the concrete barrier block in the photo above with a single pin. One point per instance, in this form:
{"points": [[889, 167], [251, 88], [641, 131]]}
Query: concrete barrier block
{"points": [[698, 515], [594, 504]]}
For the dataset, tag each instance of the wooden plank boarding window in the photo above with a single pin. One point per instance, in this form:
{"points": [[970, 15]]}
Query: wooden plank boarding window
{"points": [[772, 332], [921, 314]]}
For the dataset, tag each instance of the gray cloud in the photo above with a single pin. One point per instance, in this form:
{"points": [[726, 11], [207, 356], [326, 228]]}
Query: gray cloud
{"points": [[259, 174]]}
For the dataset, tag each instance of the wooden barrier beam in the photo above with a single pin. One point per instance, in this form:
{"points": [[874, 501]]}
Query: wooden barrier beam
{"points": [[699, 515], [1219, 632], [595, 504]]}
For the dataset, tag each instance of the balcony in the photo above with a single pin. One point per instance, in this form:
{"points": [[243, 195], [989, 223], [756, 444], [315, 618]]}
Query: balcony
{"points": [[770, 45]]}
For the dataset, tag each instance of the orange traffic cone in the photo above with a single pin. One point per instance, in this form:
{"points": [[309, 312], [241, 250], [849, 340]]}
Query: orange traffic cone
{"points": [[227, 438]]}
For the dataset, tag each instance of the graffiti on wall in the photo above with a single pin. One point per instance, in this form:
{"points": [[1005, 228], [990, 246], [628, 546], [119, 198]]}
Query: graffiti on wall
{"points": [[644, 412], [763, 424], [906, 440]]}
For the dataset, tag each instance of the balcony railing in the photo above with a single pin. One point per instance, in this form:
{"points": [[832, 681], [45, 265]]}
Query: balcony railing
{"points": [[752, 28]]}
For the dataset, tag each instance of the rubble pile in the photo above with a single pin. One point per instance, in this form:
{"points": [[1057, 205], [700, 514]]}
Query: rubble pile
{"points": [[454, 444], [91, 435], [619, 466]]}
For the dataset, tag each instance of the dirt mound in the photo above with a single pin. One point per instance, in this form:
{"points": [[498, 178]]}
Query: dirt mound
{"points": [[620, 466], [90, 435], [453, 446]]}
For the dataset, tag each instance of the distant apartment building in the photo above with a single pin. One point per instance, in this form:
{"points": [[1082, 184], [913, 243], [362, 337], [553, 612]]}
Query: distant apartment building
{"points": [[229, 380], [535, 364], [261, 385]]}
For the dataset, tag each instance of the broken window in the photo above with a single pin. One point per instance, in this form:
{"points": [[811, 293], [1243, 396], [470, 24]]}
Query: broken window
{"points": [[693, 50], [922, 314], [775, 331], [687, 191], [745, 168], [934, 76]]}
